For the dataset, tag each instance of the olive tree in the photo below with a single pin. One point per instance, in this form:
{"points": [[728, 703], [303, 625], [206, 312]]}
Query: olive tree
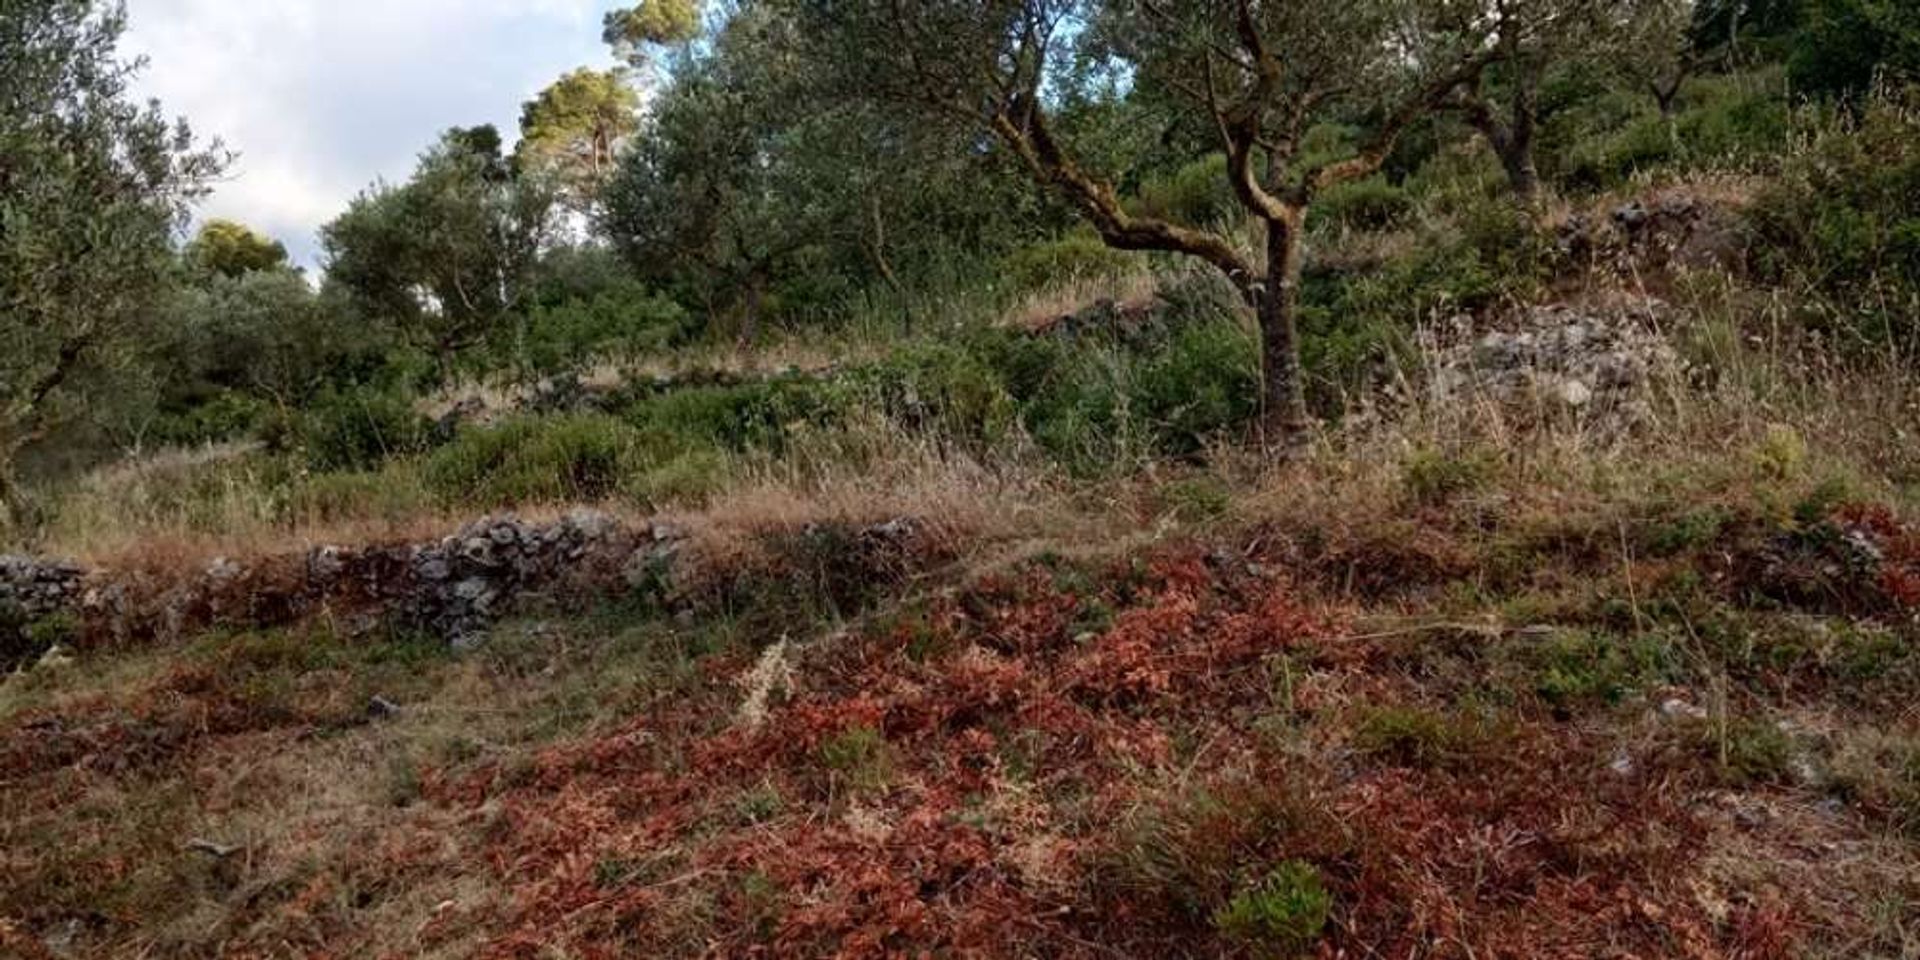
{"points": [[94, 187], [1534, 38], [1260, 73], [444, 258]]}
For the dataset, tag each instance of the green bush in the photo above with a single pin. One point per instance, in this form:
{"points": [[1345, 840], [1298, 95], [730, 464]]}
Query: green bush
{"points": [[225, 415], [1281, 916], [1072, 257], [947, 389], [1352, 322], [1432, 476], [861, 755], [576, 457], [1206, 382], [680, 478], [1722, 122], [1843, 221], [1104, 405], [1196, 194], [1369, 204], [1573, 667], [1846, 45], [618, 324], [1411, 736], [357, 428], [739, 417]]}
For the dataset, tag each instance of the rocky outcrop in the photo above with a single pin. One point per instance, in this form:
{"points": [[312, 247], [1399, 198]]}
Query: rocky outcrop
{"points": [[1598, 360], [1667, 229]]}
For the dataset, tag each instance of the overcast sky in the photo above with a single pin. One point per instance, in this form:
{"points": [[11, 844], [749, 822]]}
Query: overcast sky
{"points": [[320, 97]]}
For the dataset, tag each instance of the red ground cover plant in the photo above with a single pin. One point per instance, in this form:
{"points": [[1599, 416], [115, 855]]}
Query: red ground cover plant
{"points": [[1037, 767]]}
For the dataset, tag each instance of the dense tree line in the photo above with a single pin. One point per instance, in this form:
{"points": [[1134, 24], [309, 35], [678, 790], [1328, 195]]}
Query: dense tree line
{"points": [[781, 162]]}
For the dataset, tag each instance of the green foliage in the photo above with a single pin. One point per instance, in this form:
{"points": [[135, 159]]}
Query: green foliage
{"points": [[393, 493], [1195, 193], [1746, 750], [443, 259], [861, 755], [1433, 476], [1881, 771], [1567, 668], [357, 428], [1686, 532], [944, 389], [741, 418], [1280, 916], [1077, 256], [1203, 383], [1734, 122], [1413, 736], [529, 460], [635, 32], [238, 347], [93, 183], [231, 249], [1487, 253], [1847, 45], [622, 323], [1099, 407], [571, 128], [1370, 204], [1843, 222]]}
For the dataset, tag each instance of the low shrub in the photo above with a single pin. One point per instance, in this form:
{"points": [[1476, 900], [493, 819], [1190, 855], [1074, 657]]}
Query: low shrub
{"points": [[1571, 668], [1281, 915], [1417, 737], [1843, 222], [616, 324], [1197, 193], [1369, 204], [860, 755], [1074, 256], [576, 457], [355, 429], [740, 417], [1433, 476]]}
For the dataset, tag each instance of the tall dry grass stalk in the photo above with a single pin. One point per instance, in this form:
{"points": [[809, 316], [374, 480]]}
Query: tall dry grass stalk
{"points": [[1036, 311]]}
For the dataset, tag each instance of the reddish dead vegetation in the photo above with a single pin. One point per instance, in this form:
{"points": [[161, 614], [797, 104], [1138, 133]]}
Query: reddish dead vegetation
{"points": [[1860, 560], [187, 706], [1011, 773]]}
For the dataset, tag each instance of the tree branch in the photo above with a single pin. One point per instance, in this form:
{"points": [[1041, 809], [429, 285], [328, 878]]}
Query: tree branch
{"points": [[1024, 129]]}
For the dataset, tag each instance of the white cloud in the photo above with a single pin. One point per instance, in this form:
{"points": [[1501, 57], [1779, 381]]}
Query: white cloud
{"points": [[321, 97]]}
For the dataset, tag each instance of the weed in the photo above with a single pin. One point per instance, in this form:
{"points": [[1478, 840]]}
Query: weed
{"points": [[1432, 476], [760, 804], [1411, 736], [1880, 771], [1280, 916], [1781, 454], [860, 755], [403, 781], [1750, 751], [1688, 531], [1199, 498]]}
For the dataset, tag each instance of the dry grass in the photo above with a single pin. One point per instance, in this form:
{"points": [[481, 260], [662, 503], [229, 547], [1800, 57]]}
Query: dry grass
{"points": [[584, 786], [1129, 291]]}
